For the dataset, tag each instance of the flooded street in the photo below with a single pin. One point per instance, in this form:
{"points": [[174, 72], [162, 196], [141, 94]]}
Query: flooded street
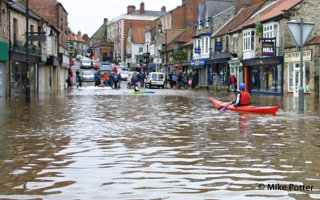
{"points": [[110, 144]]}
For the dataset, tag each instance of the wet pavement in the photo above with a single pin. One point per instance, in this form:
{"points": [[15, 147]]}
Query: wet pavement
{"points": [[96, 143]]}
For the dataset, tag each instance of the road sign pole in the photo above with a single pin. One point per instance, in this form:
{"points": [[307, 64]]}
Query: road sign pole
{"points": [[301, 89]]}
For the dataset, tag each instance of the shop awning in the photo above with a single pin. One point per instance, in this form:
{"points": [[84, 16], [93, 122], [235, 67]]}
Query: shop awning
{"points": [[263, 61]]}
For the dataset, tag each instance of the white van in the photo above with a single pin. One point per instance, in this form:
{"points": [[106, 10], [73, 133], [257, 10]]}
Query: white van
{"points": [[85, 63], [155, 79]]}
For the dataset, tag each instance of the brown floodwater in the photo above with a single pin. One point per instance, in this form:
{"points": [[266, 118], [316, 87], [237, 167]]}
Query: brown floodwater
{"points": [[109, 144]]}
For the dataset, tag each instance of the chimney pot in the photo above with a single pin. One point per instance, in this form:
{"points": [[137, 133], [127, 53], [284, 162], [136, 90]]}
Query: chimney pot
{"points": [[163, 9], [142, 7]]}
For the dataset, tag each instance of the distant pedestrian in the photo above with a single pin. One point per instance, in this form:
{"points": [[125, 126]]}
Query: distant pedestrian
{"points": [[216, 81], [174, 80], [116, 80], [68, 80], [79, 80], [233, 82], [96, 79], [120, 80]]}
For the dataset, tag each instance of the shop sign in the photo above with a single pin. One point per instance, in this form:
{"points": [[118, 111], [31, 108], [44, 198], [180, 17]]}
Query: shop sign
{"points": [[128, 55], [268, 49], [218, 46], [198, 62], [197, 50], [180, 55], [235, 64], [295, 56], [157, 60]]}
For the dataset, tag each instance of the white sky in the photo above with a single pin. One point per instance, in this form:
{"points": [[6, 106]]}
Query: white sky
{"points": [[87, 15]]}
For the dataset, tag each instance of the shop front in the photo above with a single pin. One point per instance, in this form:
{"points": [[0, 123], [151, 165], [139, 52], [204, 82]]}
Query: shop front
{"points": [[219, 63], [19, 73], [3, 64], [199, 66], [265, 75], [237, 70], [292, 73]]}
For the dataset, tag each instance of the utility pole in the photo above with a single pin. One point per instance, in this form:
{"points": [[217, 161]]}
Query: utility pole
{"points": [[27, 54]]}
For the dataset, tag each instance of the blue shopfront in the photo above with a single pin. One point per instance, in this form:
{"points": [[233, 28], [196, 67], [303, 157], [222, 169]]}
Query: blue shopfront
{"points": [[219, 63], [199, 66]]}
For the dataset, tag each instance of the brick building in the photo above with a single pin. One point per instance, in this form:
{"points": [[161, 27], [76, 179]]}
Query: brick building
{"points": [[118, 28]]}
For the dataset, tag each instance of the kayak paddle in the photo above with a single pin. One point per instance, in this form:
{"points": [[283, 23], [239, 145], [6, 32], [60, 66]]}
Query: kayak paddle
{"points": [[223, 108]]}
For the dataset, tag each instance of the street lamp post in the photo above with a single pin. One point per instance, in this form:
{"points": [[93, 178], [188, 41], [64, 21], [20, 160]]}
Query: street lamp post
{"points": [[27, 54]]}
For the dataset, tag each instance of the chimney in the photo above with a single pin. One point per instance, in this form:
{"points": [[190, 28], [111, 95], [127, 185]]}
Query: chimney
{"points": [[163, 9], [183, 2], [79, 33], [131, 9], [142, 7], [105, 20]]}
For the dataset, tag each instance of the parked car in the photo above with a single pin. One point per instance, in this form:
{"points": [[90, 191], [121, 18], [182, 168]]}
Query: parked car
{"points": [[105, 67], [85, 64], [124, 74], [87, 75], [79, 57], [95, 63], [155, 79]]}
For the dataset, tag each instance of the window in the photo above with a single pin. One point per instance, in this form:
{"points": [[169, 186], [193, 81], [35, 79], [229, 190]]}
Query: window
{"points": [[249, 40], [148, 26], [15, 29], [198, 43], [207, 45], [271, 30], [202, 45], [227, 43], [294, 76], [235, 44], [140, 49]]}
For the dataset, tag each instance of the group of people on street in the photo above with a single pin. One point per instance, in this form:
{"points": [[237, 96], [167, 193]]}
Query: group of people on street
{"points": [[136, 80], [112, 80], [183, 79]]}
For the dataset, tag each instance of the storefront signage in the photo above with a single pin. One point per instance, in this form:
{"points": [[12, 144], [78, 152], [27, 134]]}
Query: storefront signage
{"points": [[157, 60], [197, 50], [295, 56], [180, 55], [268, 49], [218, 46], [198, 62], [236, 64]]}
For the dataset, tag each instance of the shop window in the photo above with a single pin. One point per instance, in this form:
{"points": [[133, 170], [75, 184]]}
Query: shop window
{"points": [[266, 78], [207, 45], [294, 77], [202, 45]]}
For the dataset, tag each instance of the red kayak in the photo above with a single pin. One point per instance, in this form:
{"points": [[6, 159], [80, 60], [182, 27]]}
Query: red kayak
{"points": [[254, 109]]}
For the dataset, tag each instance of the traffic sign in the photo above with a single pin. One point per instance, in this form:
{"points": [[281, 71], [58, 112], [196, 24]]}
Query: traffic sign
{"points": [[294, 28]]}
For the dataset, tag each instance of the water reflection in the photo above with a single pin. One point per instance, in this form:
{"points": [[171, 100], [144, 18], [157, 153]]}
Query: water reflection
{"points": [[168, 145]]}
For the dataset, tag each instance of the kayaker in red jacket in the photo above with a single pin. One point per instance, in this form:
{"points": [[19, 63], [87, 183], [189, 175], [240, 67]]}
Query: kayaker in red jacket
{"points": [[243, 97]]}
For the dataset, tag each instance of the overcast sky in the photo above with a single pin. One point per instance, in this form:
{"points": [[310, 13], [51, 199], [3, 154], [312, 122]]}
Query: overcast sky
{"points": [[87, 15]]}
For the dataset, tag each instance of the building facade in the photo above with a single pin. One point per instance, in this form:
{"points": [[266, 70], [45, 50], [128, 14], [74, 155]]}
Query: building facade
{"points": [[4, 50], [118, 28]]}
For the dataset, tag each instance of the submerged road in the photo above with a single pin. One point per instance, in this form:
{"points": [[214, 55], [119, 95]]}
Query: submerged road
{"points": [[95, 143]]}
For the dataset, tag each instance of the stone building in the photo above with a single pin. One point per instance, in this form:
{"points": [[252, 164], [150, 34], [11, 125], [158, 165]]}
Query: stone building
{"points": [[18, 56], [55, 14], [101, 44]]}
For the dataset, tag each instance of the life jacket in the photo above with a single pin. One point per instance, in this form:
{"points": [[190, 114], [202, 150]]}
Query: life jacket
{"points": [[244, 98]]}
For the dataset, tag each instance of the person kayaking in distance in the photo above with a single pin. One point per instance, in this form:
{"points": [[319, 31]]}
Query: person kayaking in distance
{"points": [[136, 87], [242, 98]]}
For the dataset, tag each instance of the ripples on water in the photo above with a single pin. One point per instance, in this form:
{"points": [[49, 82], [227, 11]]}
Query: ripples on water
{"points": [[97, 144]]}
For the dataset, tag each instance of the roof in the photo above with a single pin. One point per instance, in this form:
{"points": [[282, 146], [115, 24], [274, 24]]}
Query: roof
{"points": [[214, 7], [274, 10], [241, 17], [148, 13], [22, 9], [315, 40], [75, 37], [183, 37], [170, 34], [190, 42]]}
